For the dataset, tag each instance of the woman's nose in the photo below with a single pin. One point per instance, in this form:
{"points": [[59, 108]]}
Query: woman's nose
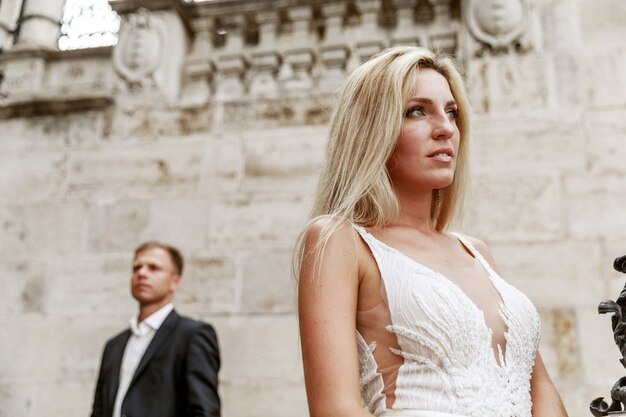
{"points": [[444, 127]]}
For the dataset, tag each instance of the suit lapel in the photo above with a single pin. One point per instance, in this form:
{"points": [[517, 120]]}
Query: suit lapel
{"points": [[117, 353], [169, 324]]}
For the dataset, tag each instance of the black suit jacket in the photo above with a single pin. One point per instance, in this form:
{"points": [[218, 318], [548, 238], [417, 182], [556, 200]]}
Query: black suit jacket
{"points": [[176, 377]]}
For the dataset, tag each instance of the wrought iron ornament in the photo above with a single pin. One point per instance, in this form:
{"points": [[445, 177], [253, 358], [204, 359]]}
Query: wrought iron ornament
{"points": [[599, 407]]}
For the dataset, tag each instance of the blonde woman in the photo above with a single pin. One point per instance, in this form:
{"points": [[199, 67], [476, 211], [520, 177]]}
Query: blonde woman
{"points": [[396, 313]]}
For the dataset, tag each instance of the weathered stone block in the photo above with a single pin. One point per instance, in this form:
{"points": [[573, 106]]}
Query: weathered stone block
{"points": [[120, 227], [84, 338], [145, 116], [534, 143], [516, 208], [24, 288], [32, 177], [557, 274], [209, 285], [283, 159], [498, 84], [131, 168], [52, 133], [559, 343], [598, 352], [602, 22], [596, 205], [257, 221], [41, 230], [604, 82], [94, 74], [196, 119], [89, 285], [49, 397], [224, 165], [259, 349], [277, 113], [182, 223], [605, 140], [268, 285], [267, 398], [23, 349]]}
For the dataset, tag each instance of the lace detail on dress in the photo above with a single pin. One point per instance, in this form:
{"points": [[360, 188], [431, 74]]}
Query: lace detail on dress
{"points": [[370, 380], [449, 362]]}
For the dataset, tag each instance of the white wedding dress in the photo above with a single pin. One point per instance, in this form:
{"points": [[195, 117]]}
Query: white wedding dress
{"points": [[426, 349]]}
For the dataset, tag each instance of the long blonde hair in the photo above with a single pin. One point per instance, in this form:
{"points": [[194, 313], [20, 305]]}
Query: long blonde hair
{"points": [[354, 186]]}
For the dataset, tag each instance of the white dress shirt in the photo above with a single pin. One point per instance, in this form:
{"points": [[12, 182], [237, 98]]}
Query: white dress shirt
{"points": [[140, 337]]}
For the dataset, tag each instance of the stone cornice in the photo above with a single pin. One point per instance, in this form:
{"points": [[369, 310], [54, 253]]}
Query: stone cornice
{"points": [[55, 104]]}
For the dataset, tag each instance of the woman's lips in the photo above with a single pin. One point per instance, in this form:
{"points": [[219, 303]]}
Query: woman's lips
{"points": [[442, 154], [442, 157]]}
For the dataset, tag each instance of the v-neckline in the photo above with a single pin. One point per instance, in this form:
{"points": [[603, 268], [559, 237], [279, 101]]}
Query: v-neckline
{"points": [[502, 350]]}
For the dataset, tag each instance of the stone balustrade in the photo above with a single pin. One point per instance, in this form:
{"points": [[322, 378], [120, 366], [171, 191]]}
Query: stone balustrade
{"points": [[228, 50], [280, 47]]}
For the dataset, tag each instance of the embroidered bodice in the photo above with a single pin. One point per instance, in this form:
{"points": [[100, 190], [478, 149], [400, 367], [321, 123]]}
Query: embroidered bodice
{"points": [[442, 344]]}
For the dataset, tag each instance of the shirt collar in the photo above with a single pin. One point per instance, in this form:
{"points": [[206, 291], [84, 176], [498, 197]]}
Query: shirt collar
{"points": [[152, 322]]}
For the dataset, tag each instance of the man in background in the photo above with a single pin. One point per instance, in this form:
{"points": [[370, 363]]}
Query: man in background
{"points": [[164, 364]]}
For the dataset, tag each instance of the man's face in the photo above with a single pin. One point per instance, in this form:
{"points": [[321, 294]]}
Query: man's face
{"points": [[154, 278]]}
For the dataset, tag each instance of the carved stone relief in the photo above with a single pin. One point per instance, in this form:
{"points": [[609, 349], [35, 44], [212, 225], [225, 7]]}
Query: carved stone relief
{"points": [[498, 24], [138, 52], [138, 56]]}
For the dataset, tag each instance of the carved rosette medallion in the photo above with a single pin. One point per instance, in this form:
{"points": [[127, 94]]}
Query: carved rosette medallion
{"points": [[497, 23], [138, 53]]}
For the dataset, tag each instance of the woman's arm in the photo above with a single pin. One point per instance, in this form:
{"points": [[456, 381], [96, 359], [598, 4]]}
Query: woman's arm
{"points": [[546, 399], [327, 303]]}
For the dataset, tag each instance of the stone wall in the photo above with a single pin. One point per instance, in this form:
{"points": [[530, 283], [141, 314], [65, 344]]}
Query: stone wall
{"points": [[216, 148]]}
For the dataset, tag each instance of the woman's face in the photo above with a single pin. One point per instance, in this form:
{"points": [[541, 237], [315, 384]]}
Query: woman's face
{"points": [[426, 151]]}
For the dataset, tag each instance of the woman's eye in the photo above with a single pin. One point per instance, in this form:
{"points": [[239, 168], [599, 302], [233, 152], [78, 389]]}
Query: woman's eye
{"points": [[415, 111], [453, 113]]}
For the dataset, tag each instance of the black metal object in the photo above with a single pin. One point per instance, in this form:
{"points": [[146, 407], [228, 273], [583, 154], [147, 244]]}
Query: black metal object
{"points": [[599, 407]]}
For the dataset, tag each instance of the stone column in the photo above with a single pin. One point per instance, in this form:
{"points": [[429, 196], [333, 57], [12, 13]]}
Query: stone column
{"points": [[405, 30], [9, 15], [334, 51], [231, 63], [445, 32], [265, 59], [563, 44], [41, 24], [370, 40], [299, 56], [199, 66]]}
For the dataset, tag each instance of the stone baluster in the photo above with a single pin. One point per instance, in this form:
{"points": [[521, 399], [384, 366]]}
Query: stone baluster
{"points": [[445, 32], [41, 24], [231, 62], [199, 67], [370, 40], [265, 59], [299, 55], [405, 33], [334, 51], [9, 16]]}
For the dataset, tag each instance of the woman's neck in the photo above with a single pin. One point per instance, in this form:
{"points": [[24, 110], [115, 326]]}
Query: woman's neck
{"points": [[414, 211]]}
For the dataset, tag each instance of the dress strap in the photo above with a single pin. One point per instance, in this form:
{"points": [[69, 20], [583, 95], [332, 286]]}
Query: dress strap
{"points": [[466, 242]]}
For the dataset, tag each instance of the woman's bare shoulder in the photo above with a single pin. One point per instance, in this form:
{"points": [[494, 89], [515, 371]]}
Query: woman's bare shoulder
{"points": [[330, 230], [329, 247]]}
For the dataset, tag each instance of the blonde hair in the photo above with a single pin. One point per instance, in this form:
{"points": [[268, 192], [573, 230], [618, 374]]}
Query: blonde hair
{"points": [[354, 186]]}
